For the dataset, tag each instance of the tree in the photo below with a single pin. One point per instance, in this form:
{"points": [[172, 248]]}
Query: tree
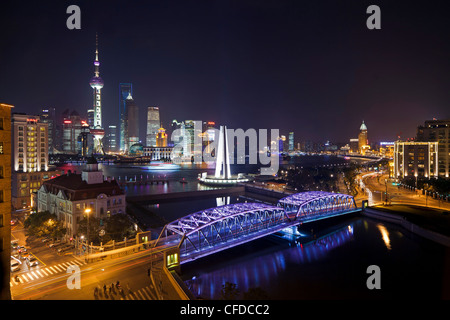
{"points": [[44, 224]]}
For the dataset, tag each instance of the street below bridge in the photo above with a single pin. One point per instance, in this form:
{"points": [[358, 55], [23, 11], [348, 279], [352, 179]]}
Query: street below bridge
{"points": [[131, 271]]}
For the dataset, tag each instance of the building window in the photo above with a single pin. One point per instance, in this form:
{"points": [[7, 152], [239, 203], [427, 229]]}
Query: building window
{"points": [[1, 195], [1, 147], [1, 123], [1, 172]]}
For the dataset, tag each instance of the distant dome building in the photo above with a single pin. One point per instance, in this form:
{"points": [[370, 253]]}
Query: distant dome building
{"points": [[363, 143]]}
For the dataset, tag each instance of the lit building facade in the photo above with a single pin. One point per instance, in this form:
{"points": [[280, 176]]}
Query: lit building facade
{"points": [[112, 139], [132, 124], [48, 115], [161, 138], [438, 131], [291, 141], [415, 159], [158, 153], [125, 90], [153, 125], [5, 200], [29, 158], [72, 127], [363, 142]]}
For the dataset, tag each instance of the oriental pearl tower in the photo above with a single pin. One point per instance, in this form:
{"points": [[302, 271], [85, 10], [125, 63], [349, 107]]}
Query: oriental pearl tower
{"points": [[96, 83]]}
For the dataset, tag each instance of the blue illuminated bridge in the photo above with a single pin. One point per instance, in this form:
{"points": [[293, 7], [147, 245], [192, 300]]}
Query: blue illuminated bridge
{"points": [[219, 228]]}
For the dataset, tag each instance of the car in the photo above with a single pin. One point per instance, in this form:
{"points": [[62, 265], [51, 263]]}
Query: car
{"points": [[65, 248], [31, 261], [24, 253], [55, 244], [14, 244], [15, 265]]}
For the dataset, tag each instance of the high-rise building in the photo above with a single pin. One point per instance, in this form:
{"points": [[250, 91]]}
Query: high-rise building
{"points": [[161, 138], [5, 200], [362, 138], [48, 115], [153, 125], [96, 84], [72, 128], [438, 131], [111, 138], [415, 159], [291, 141], [132, 125], [125, 90], [90, 118], [29, 158]]}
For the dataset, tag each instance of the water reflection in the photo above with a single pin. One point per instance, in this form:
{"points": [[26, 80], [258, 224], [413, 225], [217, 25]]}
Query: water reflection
{"points": [[384, 235], [260, 271]]}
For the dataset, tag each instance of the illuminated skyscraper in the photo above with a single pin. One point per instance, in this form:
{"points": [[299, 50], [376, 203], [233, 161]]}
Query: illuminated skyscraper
{"points": [[291, 141], [97, 84], [153, 125], [132, 124], [125, 89]]}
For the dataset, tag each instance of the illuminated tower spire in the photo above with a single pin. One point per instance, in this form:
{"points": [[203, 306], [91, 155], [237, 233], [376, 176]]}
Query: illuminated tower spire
{"points": [[96, 83]]}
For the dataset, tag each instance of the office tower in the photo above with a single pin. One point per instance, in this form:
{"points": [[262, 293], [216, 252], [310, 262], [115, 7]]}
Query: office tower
{"points": [[153, 125], [161, 138], [208, 136], [96, 84], [48, 115], [5, 200], [415, 159], [90, 118], [438, 131], [193, 135], [354, 145], [362, 138], [125, 90], [72, 127], [132, 124], [291, 141], [112, 138], [29, 158]]}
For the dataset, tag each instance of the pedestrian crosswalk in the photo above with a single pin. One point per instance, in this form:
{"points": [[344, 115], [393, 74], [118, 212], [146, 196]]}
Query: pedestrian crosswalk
{"points": [[145, 293], [35, 273]]}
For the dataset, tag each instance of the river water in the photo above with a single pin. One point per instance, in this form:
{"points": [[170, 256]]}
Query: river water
{"points": [[331, 266]]}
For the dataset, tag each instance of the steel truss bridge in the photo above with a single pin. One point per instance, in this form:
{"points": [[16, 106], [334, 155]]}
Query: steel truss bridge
{"points": [[219, 228]]}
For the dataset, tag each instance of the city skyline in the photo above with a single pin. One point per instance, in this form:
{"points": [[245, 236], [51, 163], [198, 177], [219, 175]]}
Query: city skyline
{"points": [[237, 64]]}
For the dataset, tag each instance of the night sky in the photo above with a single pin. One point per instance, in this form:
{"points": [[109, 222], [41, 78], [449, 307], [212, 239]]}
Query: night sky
{"points": [[311, 67]]}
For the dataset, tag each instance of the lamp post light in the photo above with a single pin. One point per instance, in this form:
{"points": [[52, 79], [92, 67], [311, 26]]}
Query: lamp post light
{"points": [[87, 211]]}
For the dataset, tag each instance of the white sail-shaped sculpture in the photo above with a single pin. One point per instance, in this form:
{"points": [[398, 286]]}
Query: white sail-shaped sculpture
{"points": [[223, 156]]}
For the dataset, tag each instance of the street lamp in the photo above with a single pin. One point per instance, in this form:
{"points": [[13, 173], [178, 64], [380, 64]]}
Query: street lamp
{"points": [[87, 211]]}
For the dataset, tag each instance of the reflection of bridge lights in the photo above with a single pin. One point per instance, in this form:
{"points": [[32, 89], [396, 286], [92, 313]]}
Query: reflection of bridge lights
{"points": [[384, 235], [350, 229]]}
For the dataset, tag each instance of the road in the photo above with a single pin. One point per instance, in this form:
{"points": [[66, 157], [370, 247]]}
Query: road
{"points": [[48, 279], [378, 183], [131, 271]]}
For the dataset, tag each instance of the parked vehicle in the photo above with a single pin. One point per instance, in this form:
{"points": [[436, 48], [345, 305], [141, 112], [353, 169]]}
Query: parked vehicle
{"points": [[55, 243], [31, 261], [15, 265]]}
